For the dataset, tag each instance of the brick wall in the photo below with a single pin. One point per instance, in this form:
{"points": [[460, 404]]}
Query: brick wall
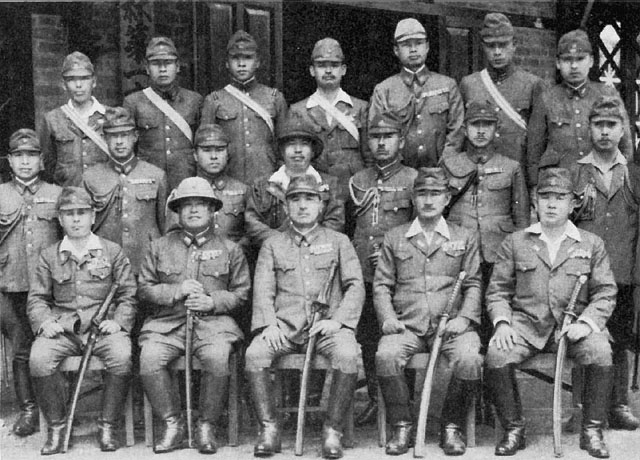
{"points": [[534, 8], [535, 52]]}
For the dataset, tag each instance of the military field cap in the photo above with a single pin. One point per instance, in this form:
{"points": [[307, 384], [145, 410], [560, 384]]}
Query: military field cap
{"points": [[303, 184], [161, 48], [77, 64], [192, 187], [409, 28], [480, 111], [117, 120], [74, 198], [431, 179], [557, 180], [24, 140], [242, 42], [384, 124], [327, 49], [496, 25], [295, 126], [211, 135], [575, 43], [607, 107]]}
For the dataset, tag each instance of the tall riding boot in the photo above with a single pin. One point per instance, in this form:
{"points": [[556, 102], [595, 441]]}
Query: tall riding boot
{"points": [[597, 388], [159, 389], [460, 395], [396, 398], [263, 400], [504, 392], [52, 396], [115, 392], [370, 413], [343, 387], [213, 394], [620, 415], [28, 419]]}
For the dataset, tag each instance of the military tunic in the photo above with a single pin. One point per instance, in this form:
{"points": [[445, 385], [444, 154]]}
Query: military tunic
{"points": [[130, 203], [559, 127], [220, 266], [161, 142], [252, 147], [432, 116]]}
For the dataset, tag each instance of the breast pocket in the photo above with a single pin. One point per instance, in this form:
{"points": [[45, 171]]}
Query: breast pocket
{"points": [[64, 143], [498, 182], [406, 267], [215, 274], [397, 211], [169, 272], [525, 272], [322, 262], [45, 211], [148, 122], [226, 115], [234, 208], [63, 287], [146, 192], [559, 121]]}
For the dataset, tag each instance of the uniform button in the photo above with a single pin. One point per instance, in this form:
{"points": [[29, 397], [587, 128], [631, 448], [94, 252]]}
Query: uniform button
{"points": [[608, 214], [85, 166], [578, 125], [418, 116], [395, 209], [84, 141], [497, 134], [126, 230], [216, 226], [419, 131], [577, 110], [428, 259], [168, 127], [29, 245], [29, 206], [307, 297], [168, 139], [29, 232], [581, 153], [307, 270], [246, 120], [84, 154], [306, 256], [247, 132], [168, 152], [122, 175], [579, 138], [125, 215], [124, 189], [247, 145], [371, 237]]}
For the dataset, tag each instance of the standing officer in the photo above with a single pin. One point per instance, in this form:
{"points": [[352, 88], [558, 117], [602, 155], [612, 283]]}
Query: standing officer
{"points": [[27, 224], [71, 281], [129, 193], [292, 268], [248, 111], [609, 209], [559, 124], [421, 261], [335, 116], [427, 104], [71, 135], [166, 114], [266, 212], [191, 270], [510, 89], [530, 287], [380, 200]]}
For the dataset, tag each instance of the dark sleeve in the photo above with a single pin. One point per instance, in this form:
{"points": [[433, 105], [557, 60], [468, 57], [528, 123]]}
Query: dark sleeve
{"points": [[48, 149], [264, 290], [602, 287], [455, 119], [502, 285], [536, 138], [257, 229], [520, 199], [471, 285], [161, 203], [125, 298], [150, 288], [352, 286], [237, 293], [40, 297], [384, 282]]}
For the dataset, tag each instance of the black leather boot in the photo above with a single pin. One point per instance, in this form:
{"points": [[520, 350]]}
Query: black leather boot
{"points": [[597, 388], [620, 415], [263, 400], [370, 413], [213, 394], [28, 419], [454, 412], [159, 390], [340, 398], [504, 392], [396, 398], [51, 395], [115, 392]]}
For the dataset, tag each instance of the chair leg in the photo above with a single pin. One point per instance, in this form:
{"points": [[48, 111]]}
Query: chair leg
{"points": [[43, 424], [232, 409], [348, 427], [148, 422], [471, 424], [128, 419], [381, 419]]}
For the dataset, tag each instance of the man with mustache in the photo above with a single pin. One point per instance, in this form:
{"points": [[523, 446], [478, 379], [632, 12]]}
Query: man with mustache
{"points": [[71, 135], [338, 118], [558, 133], [380, 200], [610, 190]]}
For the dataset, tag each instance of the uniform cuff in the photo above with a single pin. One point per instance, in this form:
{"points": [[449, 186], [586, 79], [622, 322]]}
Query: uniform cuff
{"points": [[590, 322], [501, 318]]}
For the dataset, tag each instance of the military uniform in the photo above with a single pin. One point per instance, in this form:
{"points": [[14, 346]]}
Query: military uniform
{"points": [[251, 150], [161, 142], [28, 223]]}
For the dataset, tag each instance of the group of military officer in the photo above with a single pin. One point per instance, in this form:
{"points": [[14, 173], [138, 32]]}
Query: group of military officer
{"points": [[183, 220]]}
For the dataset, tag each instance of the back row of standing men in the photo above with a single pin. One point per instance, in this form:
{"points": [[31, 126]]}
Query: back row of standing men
{"points": [[417, 114]]}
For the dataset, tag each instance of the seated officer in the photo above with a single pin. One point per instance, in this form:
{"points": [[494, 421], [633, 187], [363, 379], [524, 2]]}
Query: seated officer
{"points": [[532, 280], [291, 270], [27, 224], [191, 269], [71, 281], [420, 261]]}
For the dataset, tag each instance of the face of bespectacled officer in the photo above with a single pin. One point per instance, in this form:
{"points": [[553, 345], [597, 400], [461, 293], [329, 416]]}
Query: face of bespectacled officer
{"points": [[430, 204], [195, 214], [121, 144], [480, 132], [412, 53], [77, 223], [304, 210], [499, 51], [25, 165], [574, 69], [163, 72], [606, 133], [328, 74], [297, 153], [212, 159], [385, 146], [243, 66], [554, 208], [79, 88]]}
